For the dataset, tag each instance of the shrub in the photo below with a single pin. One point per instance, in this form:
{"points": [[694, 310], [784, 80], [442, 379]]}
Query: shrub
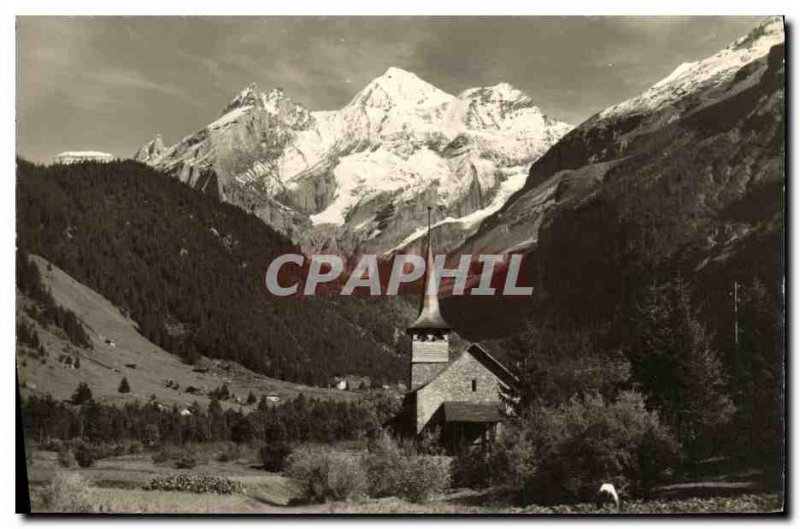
{"points": [[346, 477], [327, 474], [66, 458], [180, 456], [85, 455], [197, 483], [52, 445], [231, 452], [510, 461], [273, 455], [473, 469], [135, 447], [160, 457], [124, 386], [394, 471], [67, 492], [423, 477], [580, 444], [186, 461], [383, 463], [168, 453]]}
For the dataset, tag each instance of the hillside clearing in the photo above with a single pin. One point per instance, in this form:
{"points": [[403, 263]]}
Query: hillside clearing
{"points": [[120, 350]]}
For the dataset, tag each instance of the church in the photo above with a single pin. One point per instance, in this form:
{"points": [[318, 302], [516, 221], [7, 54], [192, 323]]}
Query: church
{"points": [[455, 387]]}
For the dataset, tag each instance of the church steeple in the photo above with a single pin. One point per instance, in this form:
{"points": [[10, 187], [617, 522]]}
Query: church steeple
{"points": [[430, 350], [430, 318]]}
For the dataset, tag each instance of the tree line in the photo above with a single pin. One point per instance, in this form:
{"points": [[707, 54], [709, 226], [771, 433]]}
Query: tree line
{"points": [[188, 269], [46, 311], [301, 419]]}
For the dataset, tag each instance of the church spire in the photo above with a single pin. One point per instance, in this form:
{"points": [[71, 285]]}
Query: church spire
{"points": [[429, 316]]}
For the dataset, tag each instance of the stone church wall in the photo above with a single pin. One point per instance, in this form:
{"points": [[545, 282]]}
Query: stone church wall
{"points": [[455, 384]]}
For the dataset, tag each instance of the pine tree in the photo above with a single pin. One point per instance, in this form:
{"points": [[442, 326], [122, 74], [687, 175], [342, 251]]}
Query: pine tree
{"points": [[124, 387], [251, 399], [82, 394], [671, 357], [757, 372]]}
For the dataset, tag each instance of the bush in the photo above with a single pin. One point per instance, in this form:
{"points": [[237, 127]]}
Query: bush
{"points": [[273, 455], [85, 455], [197, 483], [573, 448], [160, 457], [510, 461], [168, 453], [52, 445], [393, 471], [186, 461], [473, 469], [135, 447], [67, 492], [66, 458], [327, 474], [231, 452], [424, 477], [384, 463]]}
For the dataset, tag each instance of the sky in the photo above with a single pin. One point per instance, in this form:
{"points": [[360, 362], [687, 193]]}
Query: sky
{"points": [[112, 83]]}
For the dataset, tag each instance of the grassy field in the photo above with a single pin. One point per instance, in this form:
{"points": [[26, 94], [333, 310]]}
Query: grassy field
{"points": [[118, 485]]}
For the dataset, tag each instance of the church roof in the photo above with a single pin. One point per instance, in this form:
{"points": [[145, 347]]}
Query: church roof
{"points": [[430, 317], [493, 365], [481, 355], [457, 411]]}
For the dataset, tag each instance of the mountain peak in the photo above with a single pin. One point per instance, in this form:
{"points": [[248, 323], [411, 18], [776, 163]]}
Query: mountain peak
{"points": [[395, 72], [150, 150], [400, 87], [247, 97]]}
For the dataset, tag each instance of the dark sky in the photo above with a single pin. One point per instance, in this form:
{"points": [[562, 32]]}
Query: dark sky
{"points": [[111, 83]]}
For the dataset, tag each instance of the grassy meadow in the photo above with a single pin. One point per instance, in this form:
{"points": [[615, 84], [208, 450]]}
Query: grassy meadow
{"points": [[120, 485]]}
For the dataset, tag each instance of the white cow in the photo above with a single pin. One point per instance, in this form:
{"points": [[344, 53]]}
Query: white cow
{"points": [[607, 492]]}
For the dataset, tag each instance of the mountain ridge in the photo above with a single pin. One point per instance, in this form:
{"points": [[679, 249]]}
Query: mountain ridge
{"points": [[692, 186], [351, 180]]}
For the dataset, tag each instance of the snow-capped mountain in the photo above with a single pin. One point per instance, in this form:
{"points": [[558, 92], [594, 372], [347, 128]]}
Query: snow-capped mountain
{"points": [[360, 178], [694, 76], [683, 113]]}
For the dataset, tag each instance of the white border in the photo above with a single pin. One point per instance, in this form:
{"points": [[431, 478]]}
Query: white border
{"points": [[309, 7]]}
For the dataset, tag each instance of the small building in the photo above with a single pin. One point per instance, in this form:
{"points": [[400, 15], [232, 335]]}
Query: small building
{"points": [[455, 388], [273, 398]]}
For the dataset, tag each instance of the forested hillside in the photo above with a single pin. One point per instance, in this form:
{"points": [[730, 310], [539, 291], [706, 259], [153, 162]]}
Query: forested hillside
{"points": [[189, 269], [654, 234]]}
